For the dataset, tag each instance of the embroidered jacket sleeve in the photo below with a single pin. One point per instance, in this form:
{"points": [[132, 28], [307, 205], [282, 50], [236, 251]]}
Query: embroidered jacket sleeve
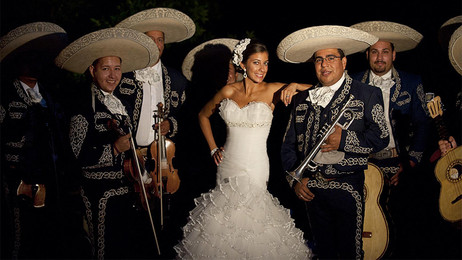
{"points": [[175, 85], [420, 123], [289, 144], [292, 145], [373, 135], [25, 137], [92, 143]]}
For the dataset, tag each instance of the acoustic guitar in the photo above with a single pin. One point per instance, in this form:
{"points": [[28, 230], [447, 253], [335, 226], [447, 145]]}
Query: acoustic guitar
{"points": [[375, 229], [448, 169]]}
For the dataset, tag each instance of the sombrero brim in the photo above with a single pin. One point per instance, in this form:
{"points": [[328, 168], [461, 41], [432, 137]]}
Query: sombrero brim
{"points": [[447, 29], [455, 50], [136, 50], [175, 25], [38, 36], [301, 45], [403, 37], [188, 62]]}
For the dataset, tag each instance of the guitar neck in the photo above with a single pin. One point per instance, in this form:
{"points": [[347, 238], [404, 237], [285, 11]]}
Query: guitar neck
{"points": [[441, 128]]}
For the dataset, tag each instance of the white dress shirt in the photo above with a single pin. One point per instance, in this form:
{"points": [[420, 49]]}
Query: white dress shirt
{"points": [[385, 83], [153, 94]]}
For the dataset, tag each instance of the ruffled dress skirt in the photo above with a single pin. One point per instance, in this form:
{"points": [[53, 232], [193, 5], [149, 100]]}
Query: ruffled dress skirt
{"points": [[239, 221], [239, 218]]}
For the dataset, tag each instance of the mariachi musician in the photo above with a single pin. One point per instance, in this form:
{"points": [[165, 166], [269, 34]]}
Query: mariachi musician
{"points": [[405, 112], [334, 191], [99, 136], [31, 139], [143, 89]]}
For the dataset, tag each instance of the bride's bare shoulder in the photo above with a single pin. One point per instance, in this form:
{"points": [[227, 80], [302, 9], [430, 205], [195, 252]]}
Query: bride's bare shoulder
{"points": [[230, 89]]}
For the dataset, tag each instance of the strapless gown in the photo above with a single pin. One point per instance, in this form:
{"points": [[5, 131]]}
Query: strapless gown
{"points": [[239, 218]]}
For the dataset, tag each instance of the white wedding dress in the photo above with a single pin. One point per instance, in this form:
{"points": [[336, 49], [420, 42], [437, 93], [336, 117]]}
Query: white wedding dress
{"points": [[239, 218]]}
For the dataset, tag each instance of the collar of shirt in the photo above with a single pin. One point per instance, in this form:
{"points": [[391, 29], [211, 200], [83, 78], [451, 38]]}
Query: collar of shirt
{"points": [[384, 82], [386, 76], [322, 95], [113, 104], [25, 87], [150, 75]]}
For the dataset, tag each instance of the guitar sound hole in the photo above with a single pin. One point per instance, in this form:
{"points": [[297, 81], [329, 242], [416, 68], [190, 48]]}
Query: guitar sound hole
{"points": [[454, 172]]}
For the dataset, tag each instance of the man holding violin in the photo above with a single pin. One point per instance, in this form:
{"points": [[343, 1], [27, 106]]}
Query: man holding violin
{"points": [[143, 90], [100, 140]]}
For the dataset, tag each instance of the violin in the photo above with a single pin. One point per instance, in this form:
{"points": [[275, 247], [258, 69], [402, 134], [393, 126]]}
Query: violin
{"points": [[131, 170], [163, 152]]}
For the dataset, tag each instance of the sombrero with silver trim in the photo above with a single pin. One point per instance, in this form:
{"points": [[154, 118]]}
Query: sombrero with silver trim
{"points": [[175, 25], [188, 61], [403, 37], [301, 45], [455, 50], [447, 29], [38, 36], [136, 50]]}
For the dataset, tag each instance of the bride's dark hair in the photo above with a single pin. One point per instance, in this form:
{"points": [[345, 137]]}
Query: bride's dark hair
{"points": [[254, 46]]}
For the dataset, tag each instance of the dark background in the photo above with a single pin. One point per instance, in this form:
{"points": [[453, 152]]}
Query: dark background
{"points": [[269, 22], [428, 236]]}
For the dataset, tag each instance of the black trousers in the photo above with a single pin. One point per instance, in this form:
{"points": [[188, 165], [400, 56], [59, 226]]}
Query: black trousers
{"points": [[336, 216]]}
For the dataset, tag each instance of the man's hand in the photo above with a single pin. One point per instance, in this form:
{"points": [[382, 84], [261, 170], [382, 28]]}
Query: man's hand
{"points": [[164, 127], [333, 141], [302, 191], [122, 144], [445, 145]]}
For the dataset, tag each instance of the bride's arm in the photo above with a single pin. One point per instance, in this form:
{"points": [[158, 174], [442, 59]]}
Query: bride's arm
{"points": [[204, 122], [285, 92]]}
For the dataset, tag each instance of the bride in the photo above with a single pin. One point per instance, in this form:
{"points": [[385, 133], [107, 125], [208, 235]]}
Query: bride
{"points": [[239, 218]]}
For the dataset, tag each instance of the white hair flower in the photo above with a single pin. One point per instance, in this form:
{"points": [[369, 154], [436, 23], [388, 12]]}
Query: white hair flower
{"points": [[238, 50]]}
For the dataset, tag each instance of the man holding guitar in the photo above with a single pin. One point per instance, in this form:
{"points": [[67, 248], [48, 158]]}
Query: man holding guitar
{"points": [[405, 112], [448, 169]]}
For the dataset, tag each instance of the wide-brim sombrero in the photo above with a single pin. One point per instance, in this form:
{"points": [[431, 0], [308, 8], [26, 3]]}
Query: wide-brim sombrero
{"points": [[447, 29], [136, 50], [175, 25], [455, 50], [188, 61], [38, 36], [301, 45], [403, 37]]}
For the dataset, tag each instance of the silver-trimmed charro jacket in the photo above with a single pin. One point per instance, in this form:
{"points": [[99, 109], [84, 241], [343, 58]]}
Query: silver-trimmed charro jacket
{"points": [[368, 133], [130, 92], [407, 111]]}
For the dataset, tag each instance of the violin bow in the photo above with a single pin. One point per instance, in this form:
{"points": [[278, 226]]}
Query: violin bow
{"points": [[132, 145]]}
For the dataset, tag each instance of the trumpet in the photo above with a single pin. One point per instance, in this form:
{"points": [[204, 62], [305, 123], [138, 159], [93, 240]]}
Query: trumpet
{"points": [[326, 130]]}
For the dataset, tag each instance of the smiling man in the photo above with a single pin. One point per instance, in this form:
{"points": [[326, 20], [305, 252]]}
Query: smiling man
{"points": [[106, 73], [99, 136], [334, 192]]}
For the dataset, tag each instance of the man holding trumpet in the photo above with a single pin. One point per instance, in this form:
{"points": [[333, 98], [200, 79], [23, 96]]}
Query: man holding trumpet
{"points": [[333, 188]]}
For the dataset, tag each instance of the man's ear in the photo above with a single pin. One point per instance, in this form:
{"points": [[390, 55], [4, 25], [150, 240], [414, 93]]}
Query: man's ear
{"points": [[344, 62], [91, 69]]}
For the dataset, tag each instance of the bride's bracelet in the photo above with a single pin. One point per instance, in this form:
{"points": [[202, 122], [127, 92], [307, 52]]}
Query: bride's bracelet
{"points": [[213, 151]]}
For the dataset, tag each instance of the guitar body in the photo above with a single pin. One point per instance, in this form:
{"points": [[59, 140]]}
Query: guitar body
{"points": [[375, 229], [448, 171]]}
